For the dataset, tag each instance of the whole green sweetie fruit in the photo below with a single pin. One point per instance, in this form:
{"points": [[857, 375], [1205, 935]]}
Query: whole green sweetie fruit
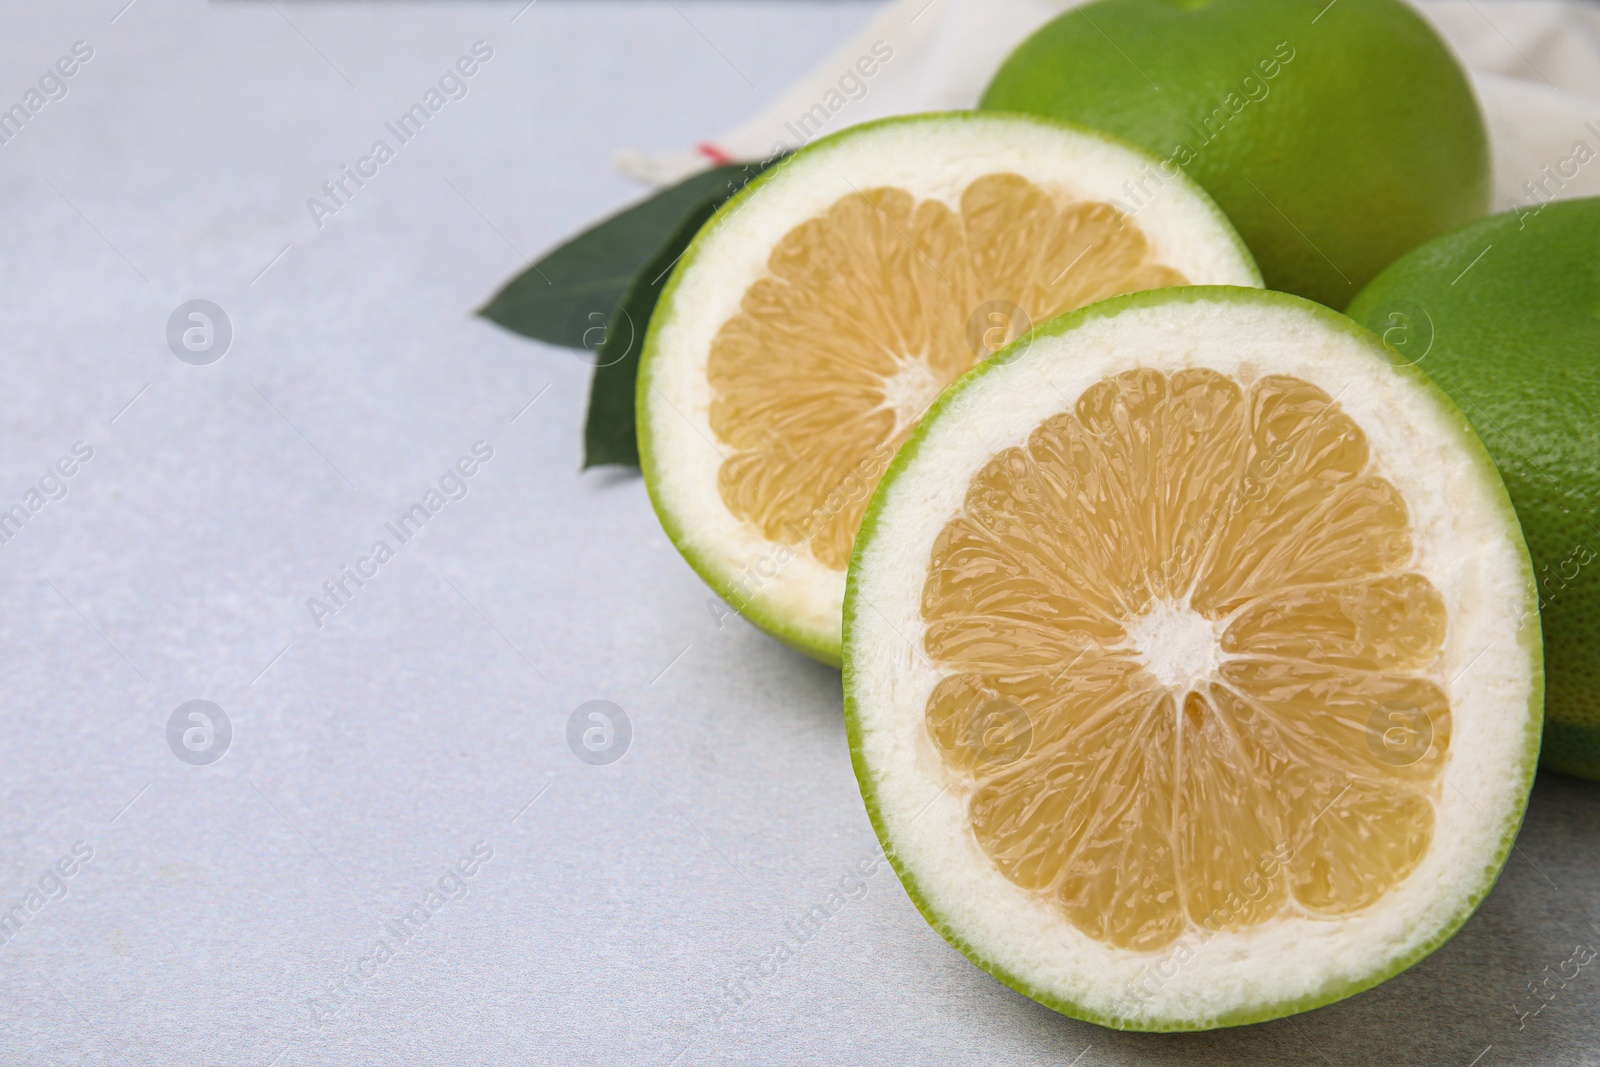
{"points": [[1336, 136]]}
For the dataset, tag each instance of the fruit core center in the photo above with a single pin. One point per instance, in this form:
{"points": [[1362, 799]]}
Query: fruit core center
{"points": [[1177, 644], [909, 390]]}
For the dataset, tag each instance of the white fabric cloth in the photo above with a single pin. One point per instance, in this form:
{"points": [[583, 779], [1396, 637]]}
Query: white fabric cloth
{"points": [[1535, 63]]}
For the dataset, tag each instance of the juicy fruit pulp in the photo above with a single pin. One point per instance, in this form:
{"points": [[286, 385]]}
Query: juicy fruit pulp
{"points": [[866, 313], [1337, 137], [1188, 672]]}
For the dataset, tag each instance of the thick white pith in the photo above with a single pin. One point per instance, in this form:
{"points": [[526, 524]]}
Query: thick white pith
{"points": [[1466, 545], [930, 157]]}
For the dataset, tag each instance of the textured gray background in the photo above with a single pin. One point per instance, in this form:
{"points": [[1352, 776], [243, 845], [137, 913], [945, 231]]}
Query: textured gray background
{"points": [[372, 753]]}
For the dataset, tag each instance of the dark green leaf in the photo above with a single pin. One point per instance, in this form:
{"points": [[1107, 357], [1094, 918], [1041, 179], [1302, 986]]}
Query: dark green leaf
{"points": [[569, 294], [608, 432]]}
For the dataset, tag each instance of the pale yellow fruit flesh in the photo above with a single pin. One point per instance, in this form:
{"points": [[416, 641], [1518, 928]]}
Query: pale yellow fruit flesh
{"points": [[1190, 676], [867, 312]]}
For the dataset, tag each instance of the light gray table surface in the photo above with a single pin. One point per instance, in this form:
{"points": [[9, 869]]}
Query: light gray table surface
{"points": [[221, 905]]}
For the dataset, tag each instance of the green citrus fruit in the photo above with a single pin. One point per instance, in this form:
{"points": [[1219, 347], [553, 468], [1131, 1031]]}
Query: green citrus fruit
{"points": [[819, 312], [1505, 315], [1191, 668], [1336, 136]]}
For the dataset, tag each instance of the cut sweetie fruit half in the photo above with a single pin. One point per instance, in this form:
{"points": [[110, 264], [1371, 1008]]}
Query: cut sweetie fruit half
{"points": [[820, 312], [1192, 662]]}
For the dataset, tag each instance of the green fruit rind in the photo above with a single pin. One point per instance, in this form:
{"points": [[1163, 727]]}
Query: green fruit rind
{"points": [[820, 645], [1509, 308], [1528, 640], [1336, 137]]}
